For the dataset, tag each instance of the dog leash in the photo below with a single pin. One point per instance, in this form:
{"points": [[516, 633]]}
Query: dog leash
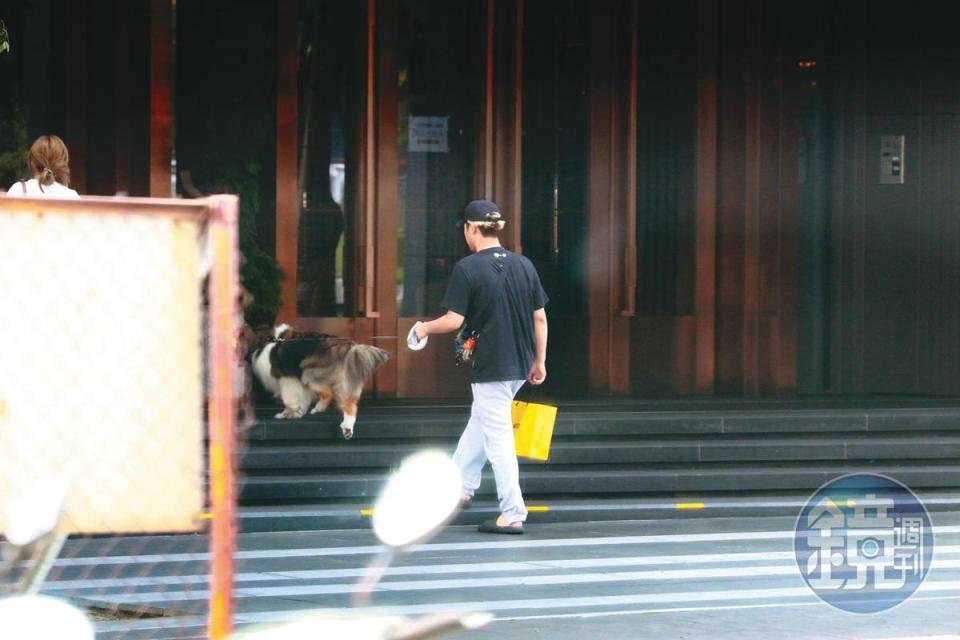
{"points": [[337, 338]]}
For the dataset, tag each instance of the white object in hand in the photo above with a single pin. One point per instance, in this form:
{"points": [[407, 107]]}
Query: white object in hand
{"points": [[412, 342]]}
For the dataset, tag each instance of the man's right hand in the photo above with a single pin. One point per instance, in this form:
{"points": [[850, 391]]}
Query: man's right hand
{"points": [[416, 341]]}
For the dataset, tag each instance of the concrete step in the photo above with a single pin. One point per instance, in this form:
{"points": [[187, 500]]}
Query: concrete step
{"points": [[817, 448], [444, 422], [357, 514], [608, 449], [607, 479]]}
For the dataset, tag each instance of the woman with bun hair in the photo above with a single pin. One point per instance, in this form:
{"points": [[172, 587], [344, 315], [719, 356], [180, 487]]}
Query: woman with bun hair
{"points": [[48, 161]]}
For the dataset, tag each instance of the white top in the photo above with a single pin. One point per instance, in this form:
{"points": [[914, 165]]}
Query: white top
{"points": [[55, 190]]}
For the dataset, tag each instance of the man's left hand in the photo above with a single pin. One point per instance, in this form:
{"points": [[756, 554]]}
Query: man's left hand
{"points": [[538, 373]]}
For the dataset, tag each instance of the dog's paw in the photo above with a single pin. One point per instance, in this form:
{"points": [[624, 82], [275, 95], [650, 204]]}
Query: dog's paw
{"points": [[346, 427], [319, 408], [289, 413]]}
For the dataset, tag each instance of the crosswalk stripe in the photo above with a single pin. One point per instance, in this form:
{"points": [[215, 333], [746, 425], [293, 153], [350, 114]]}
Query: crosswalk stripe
{"points": [[453, 568], [284, 591], [581, 601], [261, 617], [462, 546], [768, 605]]}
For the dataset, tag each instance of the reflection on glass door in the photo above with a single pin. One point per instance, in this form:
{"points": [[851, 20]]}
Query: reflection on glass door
{"points": [[331, 45], [439, 96], [666, 157], [556, 115], [663, 339]]}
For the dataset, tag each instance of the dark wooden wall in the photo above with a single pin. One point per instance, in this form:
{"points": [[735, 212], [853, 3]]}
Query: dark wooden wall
{"points": [[105, 60], [730, 326], [823, 279], [756, 204], [895, 322], [80, 69]]}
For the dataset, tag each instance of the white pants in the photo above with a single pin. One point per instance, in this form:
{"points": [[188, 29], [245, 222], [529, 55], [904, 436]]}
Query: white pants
{"points": [[489, 436]]}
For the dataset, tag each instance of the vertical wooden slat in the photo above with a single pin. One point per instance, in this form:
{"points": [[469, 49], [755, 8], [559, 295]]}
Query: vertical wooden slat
{"points": [[517, 131], [787, 380], [75, 94], [101, 108], [751, 218], [839, 177], [623, 210], [123, 94], [161, 106], [769, 247], [937, 276], [488, 101], [369, 249], [363, 182], [600, 197], [628, 292], [789, 241], [706, 197], [288, 209], [132, 125], [507, 102], [731, 203], [848, 184], [139, 119], [929, 231], [856, 220], [385, 223]]}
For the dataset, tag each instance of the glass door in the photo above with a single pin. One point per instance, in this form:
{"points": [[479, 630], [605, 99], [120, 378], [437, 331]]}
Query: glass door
{"points": [[556, 118], [439, 98], [330, 71]]}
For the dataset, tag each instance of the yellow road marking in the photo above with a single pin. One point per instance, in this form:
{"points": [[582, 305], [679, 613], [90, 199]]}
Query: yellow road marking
{"points": [[689, 505]]}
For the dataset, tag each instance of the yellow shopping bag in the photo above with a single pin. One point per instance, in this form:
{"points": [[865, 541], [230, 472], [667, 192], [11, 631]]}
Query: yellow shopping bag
{"points": [[533, 429]]}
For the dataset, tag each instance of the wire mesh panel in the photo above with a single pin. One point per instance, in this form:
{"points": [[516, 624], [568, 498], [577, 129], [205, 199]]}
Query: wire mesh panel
{"points": [[117, 408]]}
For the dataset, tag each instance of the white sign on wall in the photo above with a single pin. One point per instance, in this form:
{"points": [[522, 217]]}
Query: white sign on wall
{"points": [[428, 134]]}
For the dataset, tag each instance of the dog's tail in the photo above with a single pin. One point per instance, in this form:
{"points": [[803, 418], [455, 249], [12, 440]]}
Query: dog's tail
{"points": [[361, 361]]}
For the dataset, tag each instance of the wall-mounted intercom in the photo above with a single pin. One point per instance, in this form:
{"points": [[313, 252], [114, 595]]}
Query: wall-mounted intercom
{"points": [[891, 159]]}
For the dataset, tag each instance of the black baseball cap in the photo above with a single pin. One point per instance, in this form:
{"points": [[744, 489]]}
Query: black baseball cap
{"points": [[480, 211]]}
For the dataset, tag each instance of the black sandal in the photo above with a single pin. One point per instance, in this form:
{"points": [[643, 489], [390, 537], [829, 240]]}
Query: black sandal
{"points": [[491, 526]]}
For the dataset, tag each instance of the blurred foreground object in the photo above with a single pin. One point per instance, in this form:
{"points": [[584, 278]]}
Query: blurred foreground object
{"points": [[418, 499], [42, 618]]}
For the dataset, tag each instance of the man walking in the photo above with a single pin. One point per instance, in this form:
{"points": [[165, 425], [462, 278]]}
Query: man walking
{"points": [[496, 298]]}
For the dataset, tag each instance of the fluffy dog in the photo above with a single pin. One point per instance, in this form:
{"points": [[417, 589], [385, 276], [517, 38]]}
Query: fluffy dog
{"points": [[307, 371]]}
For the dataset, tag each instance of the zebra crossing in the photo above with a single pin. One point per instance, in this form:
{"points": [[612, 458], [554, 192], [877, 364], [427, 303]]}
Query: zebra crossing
{"points": [[682, 578]]}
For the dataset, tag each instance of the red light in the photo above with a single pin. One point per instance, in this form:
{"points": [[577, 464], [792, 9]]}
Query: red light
{"points": [[807, 64]]}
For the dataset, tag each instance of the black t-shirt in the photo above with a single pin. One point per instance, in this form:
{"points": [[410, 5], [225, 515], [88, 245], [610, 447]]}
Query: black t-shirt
{"points": [[506, 347]]}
